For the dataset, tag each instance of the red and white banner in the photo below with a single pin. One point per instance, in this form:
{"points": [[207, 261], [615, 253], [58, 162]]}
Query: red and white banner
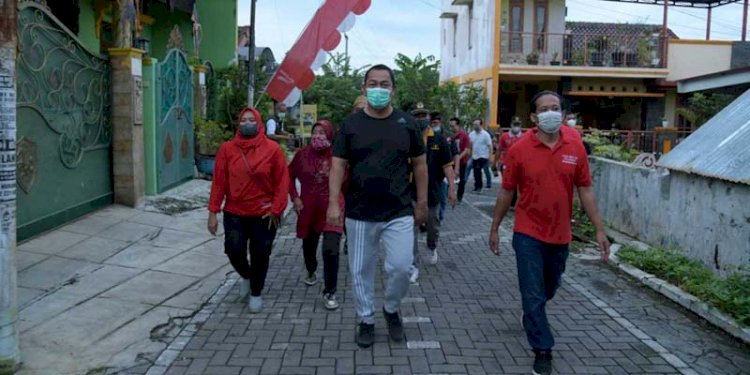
{"points": [[322, 35]]}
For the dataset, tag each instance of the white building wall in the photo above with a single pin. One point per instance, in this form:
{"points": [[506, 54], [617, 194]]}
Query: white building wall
{"points": [[472, 50], [688, 59]]}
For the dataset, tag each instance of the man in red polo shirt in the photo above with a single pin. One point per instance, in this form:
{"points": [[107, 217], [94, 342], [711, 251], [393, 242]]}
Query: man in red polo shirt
{"points": [[545, 165]]}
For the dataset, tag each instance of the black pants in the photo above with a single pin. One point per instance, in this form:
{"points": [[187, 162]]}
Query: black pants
{"points": [[461, 182], [331, 242], [238, 232], [478, 166]]}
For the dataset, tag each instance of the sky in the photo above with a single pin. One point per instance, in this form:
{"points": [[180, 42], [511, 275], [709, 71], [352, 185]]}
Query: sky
{"points": [[413, 26]]}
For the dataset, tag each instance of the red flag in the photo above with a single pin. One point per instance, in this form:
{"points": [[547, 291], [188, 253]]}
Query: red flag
{"points": [[308, 53]]}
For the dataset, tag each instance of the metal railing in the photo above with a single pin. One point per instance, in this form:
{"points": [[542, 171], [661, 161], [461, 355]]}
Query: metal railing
{"points": [[641, 140], [623, 49]]}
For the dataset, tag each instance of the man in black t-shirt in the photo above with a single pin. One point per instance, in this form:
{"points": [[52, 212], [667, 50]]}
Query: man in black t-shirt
{"points": [[376, 146], [439, 166]]}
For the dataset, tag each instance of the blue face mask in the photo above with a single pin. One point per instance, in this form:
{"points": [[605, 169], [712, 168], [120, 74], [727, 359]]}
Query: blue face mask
{"points": [[436, 129], [378, 98]]}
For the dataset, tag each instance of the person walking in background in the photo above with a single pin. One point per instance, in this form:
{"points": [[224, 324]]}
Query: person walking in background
{"points": [[545, 164], [312, 167], [275, 125], [251, 180], [481, 148], [506, 141], [439, 166], [436, 123], [463, 145], [377, 146]]}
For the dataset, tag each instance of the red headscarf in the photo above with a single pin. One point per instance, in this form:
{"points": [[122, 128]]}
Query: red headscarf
{"points": [[259, 140]]}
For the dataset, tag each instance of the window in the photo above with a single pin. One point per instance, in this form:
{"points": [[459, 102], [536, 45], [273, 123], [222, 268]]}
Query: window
{"points": [[516, 26], [471, 15], [540, 25], [455, 31]]}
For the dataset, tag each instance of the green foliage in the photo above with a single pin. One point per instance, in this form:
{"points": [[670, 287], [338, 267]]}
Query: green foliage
{"points": [[335, 90], [701, 107], [728, 294], [416, 81], [210, 135], [604, 147], [582, 226], [229, 94], [466, 102]]}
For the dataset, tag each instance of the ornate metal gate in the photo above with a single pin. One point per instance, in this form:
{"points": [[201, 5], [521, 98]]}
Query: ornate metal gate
{"points": [[174, 132], [64, 134]]}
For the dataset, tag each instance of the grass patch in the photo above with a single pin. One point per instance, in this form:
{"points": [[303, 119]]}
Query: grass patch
{"points": [[730, 295]]}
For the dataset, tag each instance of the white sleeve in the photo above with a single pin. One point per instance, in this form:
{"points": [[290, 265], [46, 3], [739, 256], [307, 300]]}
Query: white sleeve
{"points": [[271, 127]]}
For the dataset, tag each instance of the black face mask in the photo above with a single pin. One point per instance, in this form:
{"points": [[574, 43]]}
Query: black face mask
{"points": [[248, 129], [423, 124]]}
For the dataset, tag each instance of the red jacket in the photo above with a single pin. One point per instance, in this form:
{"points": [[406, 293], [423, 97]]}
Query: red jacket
{"points": [[255, 186]]}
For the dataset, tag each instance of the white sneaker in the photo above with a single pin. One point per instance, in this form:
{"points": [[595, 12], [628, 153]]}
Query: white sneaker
{"points": [[414, 275], [244, 287], [434, 257], [330, 302], [255, 304]]}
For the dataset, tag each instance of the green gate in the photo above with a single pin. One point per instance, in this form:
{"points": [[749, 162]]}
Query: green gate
{"points": [[174, 130], [64, 134]]}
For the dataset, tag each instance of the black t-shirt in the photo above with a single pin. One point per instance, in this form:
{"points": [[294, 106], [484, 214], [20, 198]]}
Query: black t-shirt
{"points": [[438, 156], [378, 152]]}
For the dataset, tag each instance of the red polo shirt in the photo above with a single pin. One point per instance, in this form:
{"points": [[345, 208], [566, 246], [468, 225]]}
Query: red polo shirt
{"points": [[545, 177]]}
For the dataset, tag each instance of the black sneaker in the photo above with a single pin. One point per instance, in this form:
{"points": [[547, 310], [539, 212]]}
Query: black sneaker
{"points": [[542, 362], [395, 327], [365, 335]]}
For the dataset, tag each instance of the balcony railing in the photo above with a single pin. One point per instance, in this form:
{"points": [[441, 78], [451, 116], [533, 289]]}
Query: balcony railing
{"points": [[637, 50], [641, 140]]}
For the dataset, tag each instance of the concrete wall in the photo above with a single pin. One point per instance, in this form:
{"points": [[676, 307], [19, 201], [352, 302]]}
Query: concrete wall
{"points": [[471, 54], [692, 58], [707, 219]]}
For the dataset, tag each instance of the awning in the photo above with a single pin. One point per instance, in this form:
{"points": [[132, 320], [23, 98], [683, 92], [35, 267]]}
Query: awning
{"points": [[309, 52], [622, 94]]}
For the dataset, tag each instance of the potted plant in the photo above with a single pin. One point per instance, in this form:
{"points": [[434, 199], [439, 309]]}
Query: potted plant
{"points": [[209, 135], [555, 61], [532, 58], [596, 49]]}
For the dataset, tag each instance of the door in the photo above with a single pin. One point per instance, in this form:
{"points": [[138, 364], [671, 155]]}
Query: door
{"points": [[174, 131], [64, 164]]}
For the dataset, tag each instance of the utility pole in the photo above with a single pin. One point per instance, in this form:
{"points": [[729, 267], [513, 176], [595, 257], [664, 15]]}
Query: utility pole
{"points": [[346, 53], [250, 58], [10, 356]]}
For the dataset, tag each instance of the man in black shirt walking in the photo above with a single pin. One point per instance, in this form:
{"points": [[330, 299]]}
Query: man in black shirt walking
{"points": [[376, 146], [439, 166]]}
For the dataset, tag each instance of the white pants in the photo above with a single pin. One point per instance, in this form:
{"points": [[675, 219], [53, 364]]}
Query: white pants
{"points": [[363, 239]]}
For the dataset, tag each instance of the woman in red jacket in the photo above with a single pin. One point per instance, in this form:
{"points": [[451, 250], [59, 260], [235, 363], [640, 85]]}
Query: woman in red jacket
{"points": [[252, 180], [312, 167]]}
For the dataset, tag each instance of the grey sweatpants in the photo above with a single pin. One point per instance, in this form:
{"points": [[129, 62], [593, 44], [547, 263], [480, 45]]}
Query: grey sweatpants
{"points": [[364, 240]]}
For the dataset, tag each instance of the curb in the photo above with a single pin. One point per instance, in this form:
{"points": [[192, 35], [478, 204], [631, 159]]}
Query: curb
{"points": [[684, 299]]}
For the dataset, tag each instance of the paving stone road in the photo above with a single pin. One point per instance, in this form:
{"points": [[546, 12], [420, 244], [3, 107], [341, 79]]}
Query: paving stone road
{"points": [[462, 318]]}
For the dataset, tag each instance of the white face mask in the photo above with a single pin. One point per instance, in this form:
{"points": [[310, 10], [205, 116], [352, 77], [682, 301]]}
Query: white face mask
{"points": [[281, 115], [549, 122], [571, 122]]}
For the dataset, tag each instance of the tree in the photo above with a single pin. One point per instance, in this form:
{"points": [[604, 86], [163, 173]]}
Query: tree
{"points": [[467, 102], [335, 90], [701, 107], [416, 81]]}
